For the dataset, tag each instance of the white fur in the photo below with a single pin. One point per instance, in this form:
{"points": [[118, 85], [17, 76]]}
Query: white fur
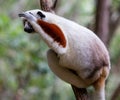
{"points": [[50, 42], [77, 55]]}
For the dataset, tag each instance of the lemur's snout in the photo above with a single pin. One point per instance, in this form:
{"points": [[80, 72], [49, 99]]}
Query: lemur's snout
{"points": [[28, 27], [26, 18], [21, 15]]}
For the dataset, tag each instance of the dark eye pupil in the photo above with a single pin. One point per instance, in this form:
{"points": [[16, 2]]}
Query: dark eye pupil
{"points": [[30, 13], [40, 14]]}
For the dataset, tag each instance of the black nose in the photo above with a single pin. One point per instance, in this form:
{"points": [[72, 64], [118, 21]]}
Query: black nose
{"points": [[28, 27], [29, 30], [21, 15]]}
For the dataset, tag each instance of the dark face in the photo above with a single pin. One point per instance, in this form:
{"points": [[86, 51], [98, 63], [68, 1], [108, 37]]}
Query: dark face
{"points": [[27, 26]]}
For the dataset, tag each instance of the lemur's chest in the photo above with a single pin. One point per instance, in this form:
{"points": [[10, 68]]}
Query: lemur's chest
{"points": [[76, 58]]}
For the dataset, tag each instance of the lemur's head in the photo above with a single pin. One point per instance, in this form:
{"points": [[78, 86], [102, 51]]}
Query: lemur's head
{"points": [[31, 15], [45, 24]]}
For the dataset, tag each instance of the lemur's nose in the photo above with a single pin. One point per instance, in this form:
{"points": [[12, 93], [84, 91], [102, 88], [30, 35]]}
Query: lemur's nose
{"points": [[28, 28], [21, 15]]}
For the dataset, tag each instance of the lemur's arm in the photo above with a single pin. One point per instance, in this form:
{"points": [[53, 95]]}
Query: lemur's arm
{"points": [[62, 72]]}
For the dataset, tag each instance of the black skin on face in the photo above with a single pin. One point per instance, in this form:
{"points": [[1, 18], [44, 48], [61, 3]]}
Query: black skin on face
{"points": [[40, 14], [28, 27]]}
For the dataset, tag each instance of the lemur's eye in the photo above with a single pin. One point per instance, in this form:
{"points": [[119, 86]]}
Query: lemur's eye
{"points": [[40, 14], [30, 13]]}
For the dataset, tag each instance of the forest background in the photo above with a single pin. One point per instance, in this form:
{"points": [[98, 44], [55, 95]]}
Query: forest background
{"points": [[24, 73]]}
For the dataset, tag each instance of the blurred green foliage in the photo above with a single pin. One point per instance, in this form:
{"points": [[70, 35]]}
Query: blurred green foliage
{"points": [[116, 4]]}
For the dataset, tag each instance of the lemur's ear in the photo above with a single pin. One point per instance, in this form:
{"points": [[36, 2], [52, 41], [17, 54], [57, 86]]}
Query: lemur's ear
{"points": [[41, 14], [53, 31]]}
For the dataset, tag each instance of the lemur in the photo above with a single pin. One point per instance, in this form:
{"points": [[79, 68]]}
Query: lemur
{"points": [[76, 54]]}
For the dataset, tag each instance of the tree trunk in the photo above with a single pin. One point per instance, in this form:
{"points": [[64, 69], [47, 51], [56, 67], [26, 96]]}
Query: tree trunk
{"points": [[80, 93], [116, 93], [114, 23], [102, 20]]}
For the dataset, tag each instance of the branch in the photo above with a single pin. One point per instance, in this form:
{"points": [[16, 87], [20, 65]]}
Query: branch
{"points": [[114, 23], [80, 93], [116, 93], [102, 19], [48, 5], [54, 5]]}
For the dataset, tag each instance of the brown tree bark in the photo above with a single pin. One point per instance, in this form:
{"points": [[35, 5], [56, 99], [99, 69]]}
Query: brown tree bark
{"points": [[102, 19], [49, 5], [116, 93], [80, 93], [106, 27], [114, 22]]}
